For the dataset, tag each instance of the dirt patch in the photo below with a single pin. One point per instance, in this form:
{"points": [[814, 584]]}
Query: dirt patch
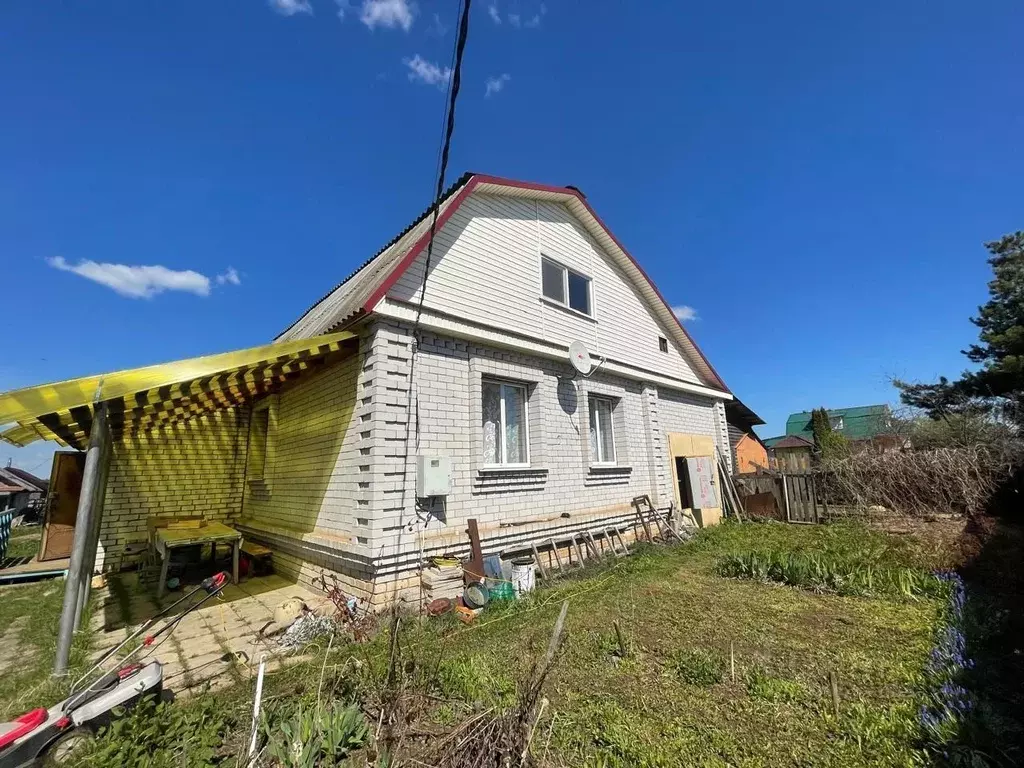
{"points": [[12, 650]]}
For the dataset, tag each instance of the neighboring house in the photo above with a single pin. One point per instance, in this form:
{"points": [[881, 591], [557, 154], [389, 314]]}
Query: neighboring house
{"points": [[861, 423], [790, 453], [330, 464], [748, 452], [21, 490]]}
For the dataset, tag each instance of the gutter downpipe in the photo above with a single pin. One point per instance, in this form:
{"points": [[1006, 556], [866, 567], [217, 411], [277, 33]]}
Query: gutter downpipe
{"points": [[89, 502]]}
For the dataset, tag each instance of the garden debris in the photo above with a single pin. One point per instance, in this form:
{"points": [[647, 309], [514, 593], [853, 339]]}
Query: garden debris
{"points": [[502, 740], [289, 611], [466, 615], [439, 606], [347, 610], [307, 629]]}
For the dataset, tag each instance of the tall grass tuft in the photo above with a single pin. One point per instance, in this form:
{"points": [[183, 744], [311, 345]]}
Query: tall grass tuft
{"points": [[831, 574]]}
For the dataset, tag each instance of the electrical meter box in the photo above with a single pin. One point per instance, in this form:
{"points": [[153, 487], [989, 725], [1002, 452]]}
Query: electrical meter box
{"points": [[433, 476]]}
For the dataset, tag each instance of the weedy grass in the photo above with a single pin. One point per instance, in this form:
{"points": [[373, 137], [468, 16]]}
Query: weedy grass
{"points": [[845, 575], [679, 618], [24, 541], [29, 618], [696, 666], [307, 736], [160, 735], [761, 685]]}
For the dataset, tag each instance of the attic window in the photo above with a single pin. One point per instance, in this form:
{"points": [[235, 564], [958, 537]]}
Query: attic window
{"points": [[565, 286], [663, 344]]}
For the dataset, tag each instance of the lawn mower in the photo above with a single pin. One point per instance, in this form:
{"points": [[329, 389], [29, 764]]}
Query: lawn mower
{"points": [[48, 736]]}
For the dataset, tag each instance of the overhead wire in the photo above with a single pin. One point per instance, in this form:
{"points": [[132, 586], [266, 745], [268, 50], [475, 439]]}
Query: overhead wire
{"points": [[448, 123]]}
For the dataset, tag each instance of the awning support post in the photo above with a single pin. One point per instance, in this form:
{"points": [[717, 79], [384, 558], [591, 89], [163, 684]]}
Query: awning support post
{"points": [[90, 504], [94, 533]]}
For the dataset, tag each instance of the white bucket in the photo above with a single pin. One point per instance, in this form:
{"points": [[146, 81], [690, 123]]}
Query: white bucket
{"points": [[523, 577]]}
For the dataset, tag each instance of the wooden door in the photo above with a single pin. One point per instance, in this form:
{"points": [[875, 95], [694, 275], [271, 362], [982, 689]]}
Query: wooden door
{"points": [[62, 505]]}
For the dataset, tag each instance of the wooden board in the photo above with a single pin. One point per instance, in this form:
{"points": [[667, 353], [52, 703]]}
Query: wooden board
{"points": [[62, 505]]}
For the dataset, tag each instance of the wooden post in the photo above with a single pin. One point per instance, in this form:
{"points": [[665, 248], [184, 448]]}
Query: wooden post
{"points": [[611, 542], [622, 642], [833, 684], [89, 502], [554, 549], [618, 536], [579, 550], [540, 565], [592, 544], [814, 496], [474, 569], [643, 520], [785, 497]]}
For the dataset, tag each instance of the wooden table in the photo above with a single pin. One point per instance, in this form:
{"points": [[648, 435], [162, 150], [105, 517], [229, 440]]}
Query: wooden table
{"points": [[167, 539]]}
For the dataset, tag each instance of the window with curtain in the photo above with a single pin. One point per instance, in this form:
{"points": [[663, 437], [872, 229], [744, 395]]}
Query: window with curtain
{"points": [[506, 440], [602, 431]]}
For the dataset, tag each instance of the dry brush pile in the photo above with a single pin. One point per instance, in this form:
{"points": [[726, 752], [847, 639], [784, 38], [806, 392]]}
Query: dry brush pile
{"points": [[958, 481]]}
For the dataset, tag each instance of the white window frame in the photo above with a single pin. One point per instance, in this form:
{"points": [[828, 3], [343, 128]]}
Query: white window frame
{"points": [[836, 422], [599, 460], [565, 287], [502, 383]]}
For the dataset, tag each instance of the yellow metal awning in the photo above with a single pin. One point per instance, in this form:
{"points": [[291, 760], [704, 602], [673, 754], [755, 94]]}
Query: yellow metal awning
{"points": [[155, 395]]}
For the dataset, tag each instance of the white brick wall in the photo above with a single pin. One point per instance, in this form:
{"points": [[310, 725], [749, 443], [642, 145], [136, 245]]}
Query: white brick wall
{"points": [[339, 488], [314, 438], [517, 506], [193, 467]]}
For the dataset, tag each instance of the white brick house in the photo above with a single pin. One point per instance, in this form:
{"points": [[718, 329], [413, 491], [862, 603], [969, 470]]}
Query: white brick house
{"points": [[476, 370], [310, 445]]}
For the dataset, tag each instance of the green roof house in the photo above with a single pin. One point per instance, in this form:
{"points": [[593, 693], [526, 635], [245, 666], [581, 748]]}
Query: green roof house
{"points": [[863, 422]]}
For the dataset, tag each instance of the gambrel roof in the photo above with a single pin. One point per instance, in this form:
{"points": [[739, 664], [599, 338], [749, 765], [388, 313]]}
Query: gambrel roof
{"points": [[360, 292]]}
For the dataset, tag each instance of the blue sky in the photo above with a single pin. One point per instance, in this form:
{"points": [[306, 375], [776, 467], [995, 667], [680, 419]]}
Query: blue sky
{"points": [[815, 181]]}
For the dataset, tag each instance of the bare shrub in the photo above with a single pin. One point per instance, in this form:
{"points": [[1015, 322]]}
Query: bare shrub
{"points": [[959, 480]]}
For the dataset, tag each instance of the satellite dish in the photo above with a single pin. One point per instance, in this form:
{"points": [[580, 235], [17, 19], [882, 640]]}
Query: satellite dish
{"points": [[579, 357]]}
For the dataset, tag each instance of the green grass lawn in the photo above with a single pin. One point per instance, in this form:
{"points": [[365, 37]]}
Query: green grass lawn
{"points": [[675, 699], [24, 541], [719, 671], [29, 615]]}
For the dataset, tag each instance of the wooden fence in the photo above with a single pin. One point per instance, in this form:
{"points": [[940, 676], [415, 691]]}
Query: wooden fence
{"points": [[793, 497]]}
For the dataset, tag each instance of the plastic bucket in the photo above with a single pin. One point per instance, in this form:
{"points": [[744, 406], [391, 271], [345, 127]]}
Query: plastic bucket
{"points": [[523, 576]]}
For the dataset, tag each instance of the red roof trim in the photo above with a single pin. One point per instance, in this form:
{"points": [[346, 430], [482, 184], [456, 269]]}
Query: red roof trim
{"points": [[420, 245]]}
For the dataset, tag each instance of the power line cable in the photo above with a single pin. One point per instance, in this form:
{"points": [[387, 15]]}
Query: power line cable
{"points": [[455, 84], [453, 95]]}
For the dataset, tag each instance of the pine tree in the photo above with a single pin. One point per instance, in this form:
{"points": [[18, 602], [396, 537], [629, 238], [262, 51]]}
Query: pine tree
{"points": [[998, 385]]}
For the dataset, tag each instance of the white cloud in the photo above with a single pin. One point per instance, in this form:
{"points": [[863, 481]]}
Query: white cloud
{"points": [[437, 27], [492, 9], [231, 277], [423, 71], [534, 22], [137, 282], [387, 13], [496, 84], [684, 313], [514, 19], [291, 7]]}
